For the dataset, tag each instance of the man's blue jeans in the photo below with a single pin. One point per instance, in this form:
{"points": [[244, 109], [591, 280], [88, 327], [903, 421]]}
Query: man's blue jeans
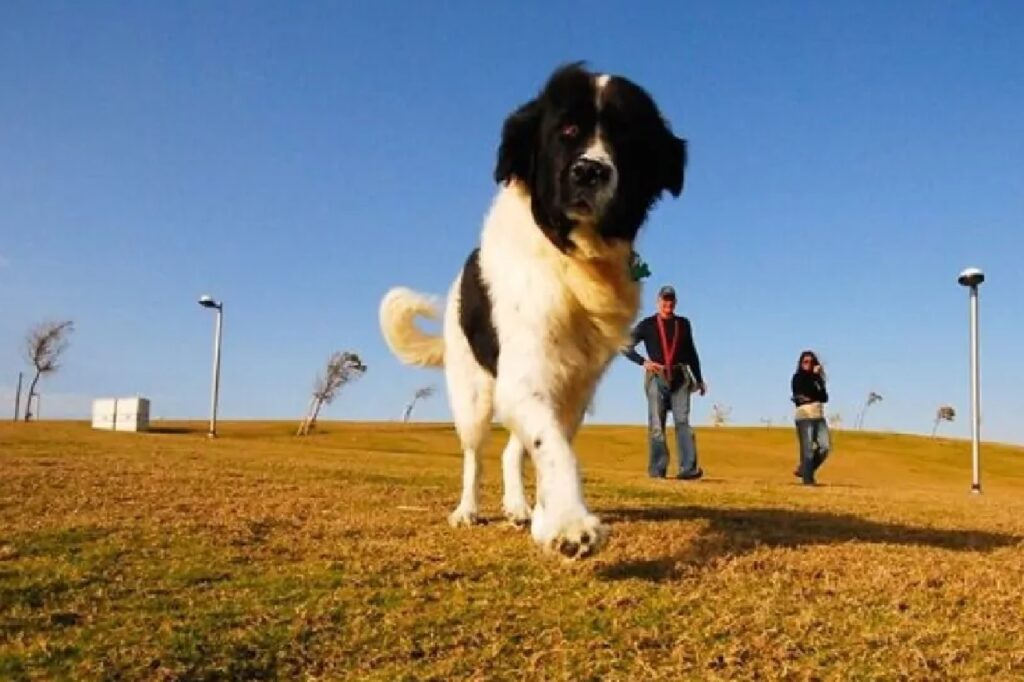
{"points": [[814, 446], [659, 401]]}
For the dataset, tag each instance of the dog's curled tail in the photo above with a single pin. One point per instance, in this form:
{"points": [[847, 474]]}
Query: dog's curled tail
{"points": [[410, 344]]}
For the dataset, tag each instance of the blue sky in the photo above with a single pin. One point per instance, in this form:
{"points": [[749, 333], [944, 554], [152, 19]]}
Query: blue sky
{"points": [[297, 159]]}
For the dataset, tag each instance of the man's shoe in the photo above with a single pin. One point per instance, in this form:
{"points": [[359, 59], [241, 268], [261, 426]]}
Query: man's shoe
{"points": [[693, 476]]}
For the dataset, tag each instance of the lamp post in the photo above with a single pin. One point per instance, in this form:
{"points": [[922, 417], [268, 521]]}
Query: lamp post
{"points": [[971, 278], [208, 302]]}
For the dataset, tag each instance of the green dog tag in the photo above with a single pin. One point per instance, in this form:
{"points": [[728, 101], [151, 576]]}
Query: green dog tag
{"points": [[638, 268]]}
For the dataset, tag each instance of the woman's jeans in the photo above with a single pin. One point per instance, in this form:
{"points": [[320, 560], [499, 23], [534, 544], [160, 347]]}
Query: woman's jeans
{"points": [[660, 399], [814, 446]]}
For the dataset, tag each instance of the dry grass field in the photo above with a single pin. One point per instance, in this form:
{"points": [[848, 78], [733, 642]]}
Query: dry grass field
{"points": [[261, 556]]}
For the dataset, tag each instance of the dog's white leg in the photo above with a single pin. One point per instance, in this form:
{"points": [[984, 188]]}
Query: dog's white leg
{"points": [[561, 521], [517, 510], [467, 513], [571, 430], [470, 396], [472, 421]]}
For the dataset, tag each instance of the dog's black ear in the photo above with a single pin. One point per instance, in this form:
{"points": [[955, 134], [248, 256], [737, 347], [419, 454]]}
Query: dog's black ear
{"points": [[518, 143], [673, 163]]}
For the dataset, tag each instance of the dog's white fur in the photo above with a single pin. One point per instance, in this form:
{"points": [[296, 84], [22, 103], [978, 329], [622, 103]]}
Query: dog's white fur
{"points": [[560, 319]]}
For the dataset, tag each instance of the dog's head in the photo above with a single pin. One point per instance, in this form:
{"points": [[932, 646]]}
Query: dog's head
{"points": [[591, 149]]}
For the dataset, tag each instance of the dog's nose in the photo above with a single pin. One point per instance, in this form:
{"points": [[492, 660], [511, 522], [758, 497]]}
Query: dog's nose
{"points": [[590, 173]]}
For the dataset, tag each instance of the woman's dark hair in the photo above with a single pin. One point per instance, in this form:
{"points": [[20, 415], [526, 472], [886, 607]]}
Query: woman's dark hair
{"points": [[807, 354]]}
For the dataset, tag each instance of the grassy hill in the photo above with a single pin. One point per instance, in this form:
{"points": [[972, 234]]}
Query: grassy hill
{"points": [[258, 555]]}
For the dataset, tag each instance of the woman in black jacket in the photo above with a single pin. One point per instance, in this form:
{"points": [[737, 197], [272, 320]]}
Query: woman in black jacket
{"points": [[810, 396]]}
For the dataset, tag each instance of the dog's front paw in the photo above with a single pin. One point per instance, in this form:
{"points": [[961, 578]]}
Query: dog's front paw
{"points": [[574, 536], [463, 516], [517, 513]]}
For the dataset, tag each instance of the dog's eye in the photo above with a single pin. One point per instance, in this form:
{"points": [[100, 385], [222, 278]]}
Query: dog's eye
{"points": [[570, 131]]}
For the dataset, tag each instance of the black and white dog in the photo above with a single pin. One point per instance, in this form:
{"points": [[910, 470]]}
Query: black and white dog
{"points": [[546, 301]]}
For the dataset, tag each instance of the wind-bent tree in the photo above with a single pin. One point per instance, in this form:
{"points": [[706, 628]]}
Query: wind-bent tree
{"points": [[872, 399], [420, 394], [342, 368], [946, 413], [720, 414], [44, 344]]}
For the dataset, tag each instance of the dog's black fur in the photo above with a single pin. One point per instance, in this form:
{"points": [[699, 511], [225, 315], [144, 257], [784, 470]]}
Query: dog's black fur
{"points": [[475, 315]]}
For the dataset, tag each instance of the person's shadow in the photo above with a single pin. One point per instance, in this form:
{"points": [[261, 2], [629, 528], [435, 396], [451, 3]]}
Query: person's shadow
{"points": [[732, 532]]}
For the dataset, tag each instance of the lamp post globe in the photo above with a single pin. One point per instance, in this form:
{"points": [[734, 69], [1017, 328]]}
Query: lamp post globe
{"points": [[208, 301], [971, 277]]}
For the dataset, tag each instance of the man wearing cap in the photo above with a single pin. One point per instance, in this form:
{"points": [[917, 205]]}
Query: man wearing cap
{"points": [[671, 374]]}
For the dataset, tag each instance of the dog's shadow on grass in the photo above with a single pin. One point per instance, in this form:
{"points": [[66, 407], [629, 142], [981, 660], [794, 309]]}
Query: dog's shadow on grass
{"points": [[733, 532], [175, 430]]}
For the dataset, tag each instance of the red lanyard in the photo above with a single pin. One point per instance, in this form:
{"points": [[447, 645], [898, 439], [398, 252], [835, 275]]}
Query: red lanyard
{"points": [[668, 354]]}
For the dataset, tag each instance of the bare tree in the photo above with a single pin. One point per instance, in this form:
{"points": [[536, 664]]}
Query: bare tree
{"points": [[871, 400], [720, 414], [44, 344], [420, 394], [767, 421], [946, 413], [342, 368], [835, 420]]}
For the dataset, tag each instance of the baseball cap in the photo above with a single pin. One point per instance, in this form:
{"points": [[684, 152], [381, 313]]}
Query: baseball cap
{"points": [[667, 292]]}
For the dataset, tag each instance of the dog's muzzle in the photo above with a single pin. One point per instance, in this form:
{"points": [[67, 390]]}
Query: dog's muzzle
{"points": [[590, 174]]}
